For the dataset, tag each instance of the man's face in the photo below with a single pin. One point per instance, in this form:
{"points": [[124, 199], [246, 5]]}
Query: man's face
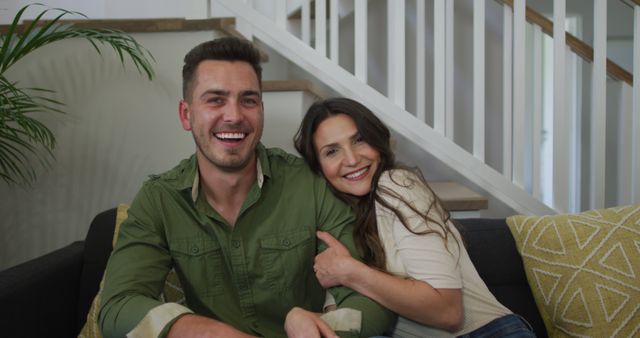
{"points": [[224, 113]]}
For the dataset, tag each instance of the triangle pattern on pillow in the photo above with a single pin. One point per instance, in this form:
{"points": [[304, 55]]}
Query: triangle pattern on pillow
{"points": [[612, 300]]}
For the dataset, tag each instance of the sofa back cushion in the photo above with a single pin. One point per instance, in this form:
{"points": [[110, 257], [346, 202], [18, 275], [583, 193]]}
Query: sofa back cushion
{"points": [[96, 254], [493, 252]]}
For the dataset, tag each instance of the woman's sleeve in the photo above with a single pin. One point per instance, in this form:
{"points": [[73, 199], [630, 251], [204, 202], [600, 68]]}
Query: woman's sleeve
{"points": [[425, 257]]}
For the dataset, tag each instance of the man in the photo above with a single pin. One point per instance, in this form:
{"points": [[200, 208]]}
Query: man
{"points": [[236, 221]]}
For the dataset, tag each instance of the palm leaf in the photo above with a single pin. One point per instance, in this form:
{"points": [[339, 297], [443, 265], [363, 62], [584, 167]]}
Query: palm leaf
{"points": [[24, 139]]}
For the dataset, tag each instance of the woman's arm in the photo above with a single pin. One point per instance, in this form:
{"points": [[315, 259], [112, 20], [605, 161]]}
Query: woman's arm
{"points": [[416, 300]]}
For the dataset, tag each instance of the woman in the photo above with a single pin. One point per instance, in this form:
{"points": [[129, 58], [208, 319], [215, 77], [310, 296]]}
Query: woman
{"points": [[414, 260]]}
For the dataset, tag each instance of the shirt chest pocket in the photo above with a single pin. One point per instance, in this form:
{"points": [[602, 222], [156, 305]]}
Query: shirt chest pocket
{"points": [[287, 259], [200, 262]]}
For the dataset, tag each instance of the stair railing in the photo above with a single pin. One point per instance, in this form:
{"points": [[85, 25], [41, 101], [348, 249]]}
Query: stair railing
{"points": [[430, 92]]}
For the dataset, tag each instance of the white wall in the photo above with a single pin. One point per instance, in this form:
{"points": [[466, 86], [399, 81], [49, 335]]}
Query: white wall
{"points": [[118, 129]]}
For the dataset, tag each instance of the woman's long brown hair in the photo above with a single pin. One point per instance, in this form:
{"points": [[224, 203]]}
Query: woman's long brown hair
{"points": [[377, 135]]}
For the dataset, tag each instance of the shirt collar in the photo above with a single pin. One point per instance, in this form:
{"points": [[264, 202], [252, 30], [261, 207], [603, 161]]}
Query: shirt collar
{"points": [[263, 162]]}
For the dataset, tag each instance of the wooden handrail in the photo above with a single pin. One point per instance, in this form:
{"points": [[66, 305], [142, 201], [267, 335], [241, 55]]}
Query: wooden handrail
{"points": [[578, 46], [631, 2]]}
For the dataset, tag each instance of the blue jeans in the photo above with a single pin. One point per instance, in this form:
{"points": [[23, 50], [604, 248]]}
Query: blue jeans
{"points": [[509, 326]]}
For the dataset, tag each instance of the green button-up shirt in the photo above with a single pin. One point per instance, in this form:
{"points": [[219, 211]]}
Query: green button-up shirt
{"points": [[248, 275]]}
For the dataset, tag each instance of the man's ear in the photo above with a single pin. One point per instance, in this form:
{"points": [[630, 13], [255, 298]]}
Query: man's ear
{"points": [[185, 114]]}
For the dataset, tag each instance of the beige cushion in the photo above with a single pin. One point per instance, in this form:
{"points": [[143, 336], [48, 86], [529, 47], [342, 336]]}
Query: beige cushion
{"points": [[584, 270], [172, 289]]}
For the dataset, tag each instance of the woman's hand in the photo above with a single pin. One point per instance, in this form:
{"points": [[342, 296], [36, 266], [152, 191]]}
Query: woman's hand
{"points": [[333, 265]]}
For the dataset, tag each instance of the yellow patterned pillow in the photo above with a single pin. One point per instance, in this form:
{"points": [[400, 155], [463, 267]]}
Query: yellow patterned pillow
{"points": [[172, 289], [584, 270]]}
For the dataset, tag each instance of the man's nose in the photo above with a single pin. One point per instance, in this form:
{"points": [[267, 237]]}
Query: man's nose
{"points": [[233, 112]]}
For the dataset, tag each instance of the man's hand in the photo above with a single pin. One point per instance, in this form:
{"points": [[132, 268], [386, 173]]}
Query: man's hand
{"points": [[194, 326], [301, 323], [333, 265]]}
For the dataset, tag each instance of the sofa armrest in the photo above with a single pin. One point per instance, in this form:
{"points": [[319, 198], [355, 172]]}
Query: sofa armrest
{"points": [[38, 298]]}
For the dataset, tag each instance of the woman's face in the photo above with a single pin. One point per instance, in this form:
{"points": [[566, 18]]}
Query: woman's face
{"points": [[346, 160]]}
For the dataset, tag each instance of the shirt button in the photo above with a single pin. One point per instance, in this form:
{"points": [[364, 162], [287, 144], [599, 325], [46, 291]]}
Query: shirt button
{"points": [[286, 242], [236, 244], [195, 249]]}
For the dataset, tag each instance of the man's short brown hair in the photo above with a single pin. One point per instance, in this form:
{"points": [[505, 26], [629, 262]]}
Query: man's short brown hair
{"points": [[224, 49]]}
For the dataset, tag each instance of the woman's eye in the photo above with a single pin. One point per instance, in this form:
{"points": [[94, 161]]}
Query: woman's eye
{"points": [[358, 139], [330, 152]]}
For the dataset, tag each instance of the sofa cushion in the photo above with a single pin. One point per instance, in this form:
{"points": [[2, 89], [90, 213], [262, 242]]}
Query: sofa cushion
{"points": [[584, 270]]}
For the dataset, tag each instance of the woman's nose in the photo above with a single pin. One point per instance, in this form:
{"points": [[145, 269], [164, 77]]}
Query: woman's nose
{"points": [[351, 158]]}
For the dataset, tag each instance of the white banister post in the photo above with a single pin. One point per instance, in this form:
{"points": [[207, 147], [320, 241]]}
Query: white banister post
{"points": [[478, 79], [573, 133], [449, 71], [321, 27], [281, 14], [507, 88], [519, 93], [421, 37], [439, 84], [306, 22], [624, 141], [537, 112], [561, 148], [396, 52], [598, 105], [635, 153], [334, 29], [361, 40]]}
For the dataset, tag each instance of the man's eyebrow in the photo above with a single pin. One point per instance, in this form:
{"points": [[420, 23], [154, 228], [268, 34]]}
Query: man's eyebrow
{"points": [[250, 93], [219, 92]]}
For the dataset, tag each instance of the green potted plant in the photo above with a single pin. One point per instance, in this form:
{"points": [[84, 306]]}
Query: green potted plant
{"points": [[24, 140]]}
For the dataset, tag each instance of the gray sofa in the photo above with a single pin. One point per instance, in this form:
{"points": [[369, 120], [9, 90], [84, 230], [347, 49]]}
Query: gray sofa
{"points": [[50, 296]]}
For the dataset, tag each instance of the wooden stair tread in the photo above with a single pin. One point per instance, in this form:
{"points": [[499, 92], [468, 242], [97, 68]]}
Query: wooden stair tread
{"points": [[292, 86], [457, 197]]}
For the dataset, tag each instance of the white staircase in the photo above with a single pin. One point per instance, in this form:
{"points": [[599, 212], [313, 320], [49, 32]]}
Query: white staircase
{"points": [[537, 169]]}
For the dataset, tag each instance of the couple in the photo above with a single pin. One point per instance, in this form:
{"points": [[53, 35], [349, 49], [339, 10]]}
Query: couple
{"points": [[240, 223]]}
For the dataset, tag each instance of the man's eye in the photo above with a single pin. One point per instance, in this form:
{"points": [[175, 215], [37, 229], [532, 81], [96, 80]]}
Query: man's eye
{"points": [[249, 102], [215, 100]]}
